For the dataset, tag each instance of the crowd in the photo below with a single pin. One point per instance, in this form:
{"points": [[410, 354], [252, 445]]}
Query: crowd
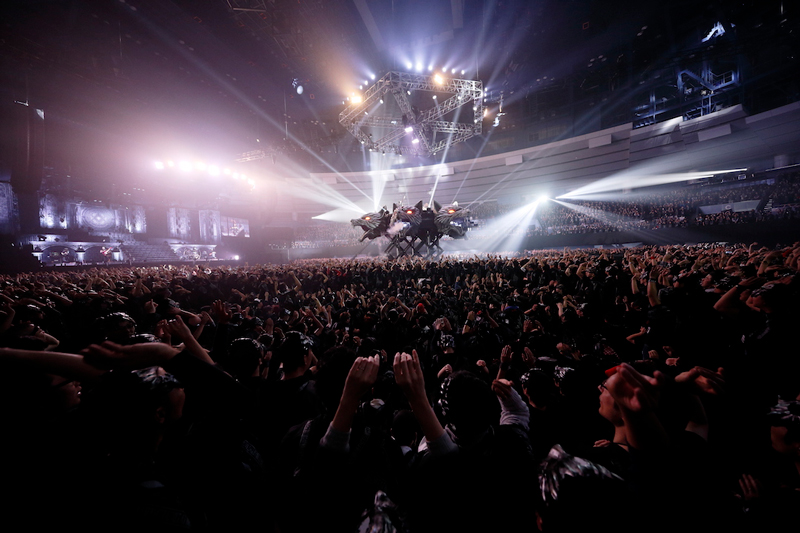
{"points": [[652, 387]]}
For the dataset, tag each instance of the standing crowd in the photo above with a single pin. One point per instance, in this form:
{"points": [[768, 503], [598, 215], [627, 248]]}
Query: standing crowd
{"points": [[652, 387]]}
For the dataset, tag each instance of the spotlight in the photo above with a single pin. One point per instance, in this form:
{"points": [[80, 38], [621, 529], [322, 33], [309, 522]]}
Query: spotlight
{"points": [[213, 170], [159, 165], [235, 257], [185, 166], [415, 141], [430, 67], [453, 71], [409, 129], [372, 76], [434, 97], [409, 65], [200, 165], [170, 163], [227, 172], [419, 67], [381, 100], [438, 79], [355, 99], [236, 175], [462, 72], [296, 84], [444, 69]]}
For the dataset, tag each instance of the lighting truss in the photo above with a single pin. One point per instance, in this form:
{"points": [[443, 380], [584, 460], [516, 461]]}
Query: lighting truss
{"points": [[377, 130]]}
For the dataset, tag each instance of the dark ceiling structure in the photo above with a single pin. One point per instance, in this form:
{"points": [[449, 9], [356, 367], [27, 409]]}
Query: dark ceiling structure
{"points": [[121, 81]]}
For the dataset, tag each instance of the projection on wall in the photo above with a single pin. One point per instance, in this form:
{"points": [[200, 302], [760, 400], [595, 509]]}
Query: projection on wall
{"points": [[56, 213], [52, 212], [7, 208], [179, 223], [210, 226], [234, 227]]}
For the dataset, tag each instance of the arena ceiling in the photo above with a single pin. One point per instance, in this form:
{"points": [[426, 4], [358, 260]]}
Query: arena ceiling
{"points": [[125, 81]]}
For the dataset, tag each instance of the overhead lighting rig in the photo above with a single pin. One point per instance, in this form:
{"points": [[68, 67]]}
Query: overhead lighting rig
{"points": [[379, 129]]}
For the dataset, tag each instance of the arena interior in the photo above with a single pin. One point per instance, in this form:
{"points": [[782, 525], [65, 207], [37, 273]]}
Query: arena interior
{"points": [[400, 266]]}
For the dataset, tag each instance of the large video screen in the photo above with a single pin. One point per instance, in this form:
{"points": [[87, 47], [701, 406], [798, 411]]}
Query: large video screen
{"points": [[234, 227]]}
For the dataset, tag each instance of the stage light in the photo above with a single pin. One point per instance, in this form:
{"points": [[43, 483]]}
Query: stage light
{"points": [[409, 65], [415, 141], [170, 163], [367, 218], [200, 165], [360, 87], [434, 97], [462, 72], [236, 175], [438, 79], [444, 69], [213, 170], [185, 166], [355, 99], [372, 76], [299, 89], [235, 257], [381, 100], [419, 67], [430, 67], [453, 71], [227, 172], [409, 93], [251, 182], [159, 165], [409, 129], [243, 176]]}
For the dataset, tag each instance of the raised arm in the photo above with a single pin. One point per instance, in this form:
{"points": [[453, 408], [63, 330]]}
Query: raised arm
{"points": [[409, 377]]}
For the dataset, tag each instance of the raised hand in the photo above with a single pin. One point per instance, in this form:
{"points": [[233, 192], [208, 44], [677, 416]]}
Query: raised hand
{"points": [[408, 375], [701, 380], [109, 355], [502, 388], [177, 328], [223, 314], [528, 358], [633, 392], [505, 354], [361, 377]]}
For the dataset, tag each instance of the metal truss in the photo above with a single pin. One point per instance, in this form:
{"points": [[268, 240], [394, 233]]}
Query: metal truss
{"points": [[386, 131]]}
